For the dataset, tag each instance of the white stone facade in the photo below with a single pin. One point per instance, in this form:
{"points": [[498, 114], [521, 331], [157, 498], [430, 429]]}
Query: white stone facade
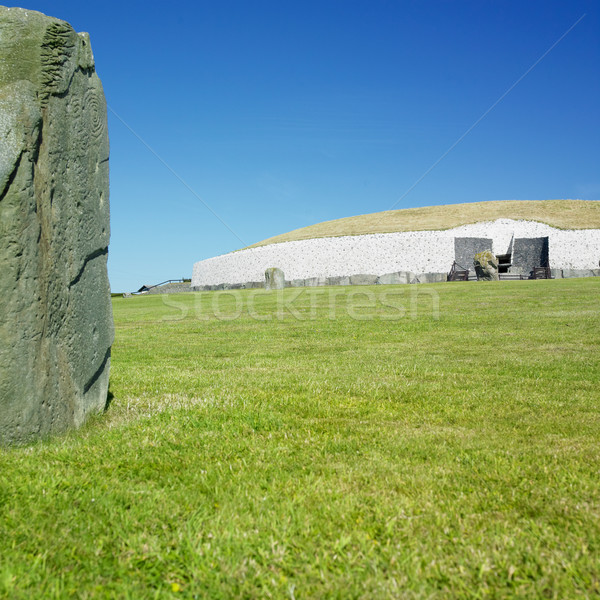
{"points": [[381, 253]]}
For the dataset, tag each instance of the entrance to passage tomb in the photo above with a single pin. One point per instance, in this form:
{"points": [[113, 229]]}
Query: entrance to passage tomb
{"points": [[504, 262], [524, 257]]}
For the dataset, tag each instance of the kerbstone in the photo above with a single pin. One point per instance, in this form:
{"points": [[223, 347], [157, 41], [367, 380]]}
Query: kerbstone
{"points": [[363, 279], [575, 273], [56, 327], [400, 277], [315, 281], [486, 266], [432, 277]]}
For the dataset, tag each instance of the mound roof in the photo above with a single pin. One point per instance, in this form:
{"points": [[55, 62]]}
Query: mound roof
{"points": [[562, 214]]}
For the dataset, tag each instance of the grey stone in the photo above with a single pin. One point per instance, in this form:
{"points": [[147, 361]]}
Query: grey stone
{"points": [[315, 281], [572, 273], [465, 248], [363, 279], [556, 273], [274, 279], [529, 253], [338, 280], [400, 277], [486, 266], [596, 272], [56, 327], [297, 283], [433, 277], [389, 279]]}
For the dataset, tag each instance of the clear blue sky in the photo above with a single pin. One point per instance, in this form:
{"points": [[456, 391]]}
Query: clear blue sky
{"points": [[279, 114]]}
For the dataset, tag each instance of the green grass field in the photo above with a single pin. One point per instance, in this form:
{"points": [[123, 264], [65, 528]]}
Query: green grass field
{"points": [[437, 441]]}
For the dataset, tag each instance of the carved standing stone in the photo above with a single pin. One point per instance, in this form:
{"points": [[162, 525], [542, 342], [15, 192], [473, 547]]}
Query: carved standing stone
{"points": [[56, 325], [486, 266]]}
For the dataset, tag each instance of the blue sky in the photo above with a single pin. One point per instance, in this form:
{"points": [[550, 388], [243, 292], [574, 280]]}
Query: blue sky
{"points": [[279, 114]]}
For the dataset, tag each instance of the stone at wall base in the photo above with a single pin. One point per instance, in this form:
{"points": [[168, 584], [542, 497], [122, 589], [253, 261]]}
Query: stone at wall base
{"points": [[573, 273], [315, 281], [363, 279], [338, 280], [430, 278], [400, 277]]}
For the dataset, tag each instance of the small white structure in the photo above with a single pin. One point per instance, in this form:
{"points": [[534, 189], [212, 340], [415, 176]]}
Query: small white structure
{"points": [[569, 253]]}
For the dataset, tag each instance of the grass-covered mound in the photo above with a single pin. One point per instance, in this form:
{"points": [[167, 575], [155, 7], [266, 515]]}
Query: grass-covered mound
{"points": [[563, 214], [323, 448]]}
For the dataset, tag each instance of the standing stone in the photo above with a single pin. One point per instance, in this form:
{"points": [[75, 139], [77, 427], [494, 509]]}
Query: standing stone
{"points": [[56, 325], [274, 279], [486, 266]]}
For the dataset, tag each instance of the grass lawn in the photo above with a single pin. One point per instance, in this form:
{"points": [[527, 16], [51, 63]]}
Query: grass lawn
{"points": [[437, 441]]}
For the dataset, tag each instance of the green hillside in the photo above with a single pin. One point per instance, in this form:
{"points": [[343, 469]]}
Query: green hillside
{"points": [[563, 214]]}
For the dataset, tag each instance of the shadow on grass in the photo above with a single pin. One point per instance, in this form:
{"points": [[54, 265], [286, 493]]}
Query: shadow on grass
{"points": [[109, 398]]}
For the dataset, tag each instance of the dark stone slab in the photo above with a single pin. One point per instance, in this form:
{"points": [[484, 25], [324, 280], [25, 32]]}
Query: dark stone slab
{"points": [[465, 248], [529, 253]]}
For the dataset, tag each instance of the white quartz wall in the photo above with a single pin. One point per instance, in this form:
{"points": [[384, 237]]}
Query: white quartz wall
{"points": [[377, 254]]}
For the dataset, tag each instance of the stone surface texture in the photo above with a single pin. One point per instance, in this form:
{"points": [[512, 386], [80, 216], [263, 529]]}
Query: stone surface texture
{"points": [[529, 253], [274, 279], [56, 325], [418, 252], [486, 266], [465, 248], [401, 277], [430, 278]]}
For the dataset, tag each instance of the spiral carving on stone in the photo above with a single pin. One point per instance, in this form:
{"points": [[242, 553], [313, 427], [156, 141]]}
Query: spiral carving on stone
{"points": [[75, 108], [94, 108]]}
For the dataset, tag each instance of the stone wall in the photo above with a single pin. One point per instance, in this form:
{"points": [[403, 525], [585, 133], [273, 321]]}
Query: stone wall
{"points": [[418, 252]]}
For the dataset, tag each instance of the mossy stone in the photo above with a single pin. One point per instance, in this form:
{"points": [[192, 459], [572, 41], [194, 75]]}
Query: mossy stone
{"points": [[56, 326]]}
